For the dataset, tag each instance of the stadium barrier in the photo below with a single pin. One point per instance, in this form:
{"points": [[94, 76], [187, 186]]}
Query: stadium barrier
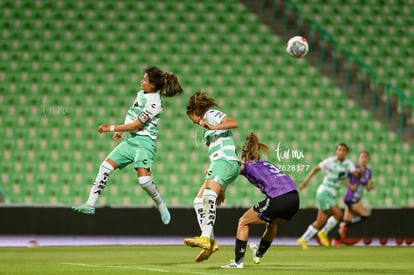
{"points": [[23, 220]]}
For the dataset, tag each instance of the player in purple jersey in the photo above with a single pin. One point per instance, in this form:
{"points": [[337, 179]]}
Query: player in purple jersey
{"points": [[281, 203], [354, 211]]}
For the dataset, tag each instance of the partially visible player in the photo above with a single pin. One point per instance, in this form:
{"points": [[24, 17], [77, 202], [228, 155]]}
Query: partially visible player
{"points": [[223, 170], [336, 169], [280, 204], [139, 147], [354, 210]]}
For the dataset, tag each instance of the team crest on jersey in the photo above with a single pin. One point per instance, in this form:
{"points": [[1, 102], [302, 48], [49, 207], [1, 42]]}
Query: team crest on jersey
{"points": [[143, 117]]}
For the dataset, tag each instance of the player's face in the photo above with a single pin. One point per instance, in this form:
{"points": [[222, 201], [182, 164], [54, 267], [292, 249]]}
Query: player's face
{"points": [[194, 118], [341, 152], [363, 159], [146, 85]]}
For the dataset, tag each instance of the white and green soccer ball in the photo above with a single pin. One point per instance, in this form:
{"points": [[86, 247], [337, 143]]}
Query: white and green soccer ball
{"points": [[297, 47]]}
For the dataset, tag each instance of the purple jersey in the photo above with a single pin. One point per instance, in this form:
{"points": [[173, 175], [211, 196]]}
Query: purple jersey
{"points": [[355, 196], [268, 178]]}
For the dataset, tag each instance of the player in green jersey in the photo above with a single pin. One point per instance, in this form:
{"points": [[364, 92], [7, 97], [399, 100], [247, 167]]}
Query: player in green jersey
{"points": [[139, 146], [223, 170], [336, 170]]}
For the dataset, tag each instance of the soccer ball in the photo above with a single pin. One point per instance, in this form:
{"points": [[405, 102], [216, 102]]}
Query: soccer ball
{"points": [[297, 46]]}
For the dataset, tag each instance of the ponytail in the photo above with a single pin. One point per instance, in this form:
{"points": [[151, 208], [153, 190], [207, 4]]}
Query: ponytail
{"points": [[199, 103], [171, 85], [251, 148], [165, 82]]}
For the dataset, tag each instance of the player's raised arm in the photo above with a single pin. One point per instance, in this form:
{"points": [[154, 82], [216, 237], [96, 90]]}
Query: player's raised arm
{"points": [[132, 126], [315, 170]]}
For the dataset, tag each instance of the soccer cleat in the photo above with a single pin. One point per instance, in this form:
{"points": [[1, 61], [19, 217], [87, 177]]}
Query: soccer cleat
{"points": [[323, 238], [205, 254], [202, 242], [254, 247], [84, 209], [233, 264], [303, 243], [343, 229], [165, 214]]}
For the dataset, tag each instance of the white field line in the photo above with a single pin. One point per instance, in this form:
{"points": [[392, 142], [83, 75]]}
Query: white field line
{"points": [[148, 268]]}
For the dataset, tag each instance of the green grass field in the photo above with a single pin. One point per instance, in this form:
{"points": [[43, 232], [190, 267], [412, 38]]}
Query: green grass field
{"points": [[180, 260]]}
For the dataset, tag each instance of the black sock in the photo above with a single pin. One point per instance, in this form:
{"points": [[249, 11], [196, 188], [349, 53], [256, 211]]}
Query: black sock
{"points": [[240, 250], [263, 247]]}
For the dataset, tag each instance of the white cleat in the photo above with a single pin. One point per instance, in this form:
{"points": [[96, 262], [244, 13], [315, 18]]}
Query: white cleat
{"points": [[233, 264], [254, 247]]}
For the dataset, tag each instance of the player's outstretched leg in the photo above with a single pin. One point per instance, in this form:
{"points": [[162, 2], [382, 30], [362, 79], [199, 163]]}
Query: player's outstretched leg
{"points": [[150, 187]]}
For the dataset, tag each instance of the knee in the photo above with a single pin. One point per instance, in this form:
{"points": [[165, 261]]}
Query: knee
{"points": [[339, 217], [242, 222], [107, 167], [317, 225], [144, 180]]}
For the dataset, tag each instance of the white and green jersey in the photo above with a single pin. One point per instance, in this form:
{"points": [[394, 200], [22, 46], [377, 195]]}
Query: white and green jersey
{"points": [[336, 171], [220, 142], [147, 109]]}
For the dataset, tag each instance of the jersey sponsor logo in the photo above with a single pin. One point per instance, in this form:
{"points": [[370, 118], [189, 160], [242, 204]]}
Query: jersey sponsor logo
{"points": [[143, 117], [101, 185], [219, 114]]}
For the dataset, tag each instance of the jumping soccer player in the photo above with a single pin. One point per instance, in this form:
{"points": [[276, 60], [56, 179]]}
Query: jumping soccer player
{"points": [[139, 147], [223, 170]]}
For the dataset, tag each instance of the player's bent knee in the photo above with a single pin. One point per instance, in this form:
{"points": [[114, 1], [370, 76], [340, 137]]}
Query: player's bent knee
{"points": [[144, 180]]}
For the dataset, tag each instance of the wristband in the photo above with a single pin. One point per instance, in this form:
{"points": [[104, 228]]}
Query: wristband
{"points": [[112, 128]]}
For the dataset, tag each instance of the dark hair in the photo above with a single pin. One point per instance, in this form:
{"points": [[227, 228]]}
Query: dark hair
{"points": [[165, 82], [252, 146], [344, 145], [199, 103], [364, 152]]}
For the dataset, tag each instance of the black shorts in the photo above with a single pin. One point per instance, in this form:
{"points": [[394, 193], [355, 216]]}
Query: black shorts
{"points": [[282, 207]]}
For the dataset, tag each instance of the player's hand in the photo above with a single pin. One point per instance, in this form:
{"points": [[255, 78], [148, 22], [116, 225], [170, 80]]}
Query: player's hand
{"points": [[117, 136], [205, 124], [370, 186], [104, 128], [220, 198], [302, 186]]}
